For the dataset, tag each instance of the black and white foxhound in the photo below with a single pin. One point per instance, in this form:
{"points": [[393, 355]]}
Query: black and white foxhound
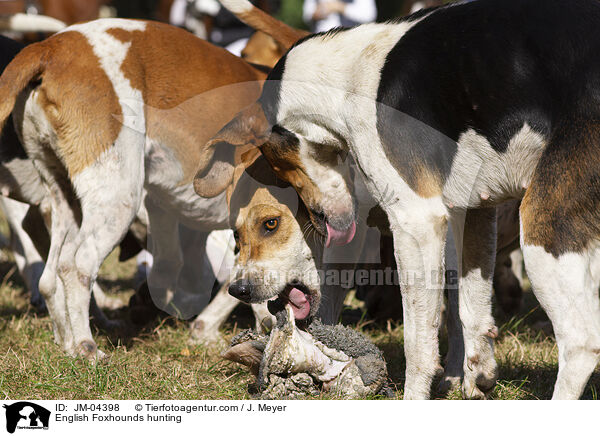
{"points": [[447, 113]]}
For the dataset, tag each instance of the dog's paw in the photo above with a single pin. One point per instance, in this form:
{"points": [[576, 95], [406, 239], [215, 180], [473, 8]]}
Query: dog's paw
{"points": [[452, 375], [481, 373], [447, 384], [38, 302], [89, 351], [200, 335]]}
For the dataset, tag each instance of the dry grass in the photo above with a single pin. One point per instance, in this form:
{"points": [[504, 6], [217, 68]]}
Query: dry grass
{"points": [[158, 363]]}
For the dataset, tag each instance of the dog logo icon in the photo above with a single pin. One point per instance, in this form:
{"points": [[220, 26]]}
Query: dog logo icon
{"points": [[26, 415]]}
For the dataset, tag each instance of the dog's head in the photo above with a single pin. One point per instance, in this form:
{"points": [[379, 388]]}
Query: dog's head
{"points": [[304, 146], [278, 248], [313, 163]]}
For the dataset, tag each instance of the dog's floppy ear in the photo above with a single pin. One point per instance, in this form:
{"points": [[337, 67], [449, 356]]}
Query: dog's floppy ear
{"points": [[249, 129]]}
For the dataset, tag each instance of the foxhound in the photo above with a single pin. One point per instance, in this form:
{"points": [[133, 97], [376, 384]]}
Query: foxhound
{"points": [[448, 113], [104, 110]]}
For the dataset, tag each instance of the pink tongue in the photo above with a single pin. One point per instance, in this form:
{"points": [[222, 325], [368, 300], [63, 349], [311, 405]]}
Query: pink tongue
{"points": [[337, 237], [300, 304]]}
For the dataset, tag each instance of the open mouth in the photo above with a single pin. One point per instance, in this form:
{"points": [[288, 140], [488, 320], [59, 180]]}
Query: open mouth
{"points": [[297, 296]]}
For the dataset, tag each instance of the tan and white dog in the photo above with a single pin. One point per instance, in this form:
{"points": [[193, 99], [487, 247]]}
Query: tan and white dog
{"points": [[25, 205], [105, 109]]}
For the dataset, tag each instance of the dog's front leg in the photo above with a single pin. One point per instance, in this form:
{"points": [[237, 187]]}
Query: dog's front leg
{"points": [[419, 239], [476, 246]]}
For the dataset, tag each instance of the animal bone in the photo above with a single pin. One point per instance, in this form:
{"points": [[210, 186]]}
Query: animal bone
{"points": [[292, 363]]}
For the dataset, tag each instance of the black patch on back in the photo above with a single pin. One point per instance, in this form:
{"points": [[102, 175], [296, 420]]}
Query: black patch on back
{"points": [[269, 99], [327, 34], [10, 146], [262, 68], [490, 66]]}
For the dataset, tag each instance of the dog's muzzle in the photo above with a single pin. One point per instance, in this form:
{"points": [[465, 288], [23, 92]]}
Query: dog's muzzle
{"points": [[242, 290]]}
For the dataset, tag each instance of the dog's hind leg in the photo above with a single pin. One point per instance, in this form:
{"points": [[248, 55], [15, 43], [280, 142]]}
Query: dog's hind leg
{"points": [[80, 262], [476, 246], [560, 239], [567, 289], [63, 229], [109, 192]]}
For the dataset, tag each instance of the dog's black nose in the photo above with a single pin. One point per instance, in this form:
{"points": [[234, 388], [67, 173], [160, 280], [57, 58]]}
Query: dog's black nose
{"points": [[241, 289]]}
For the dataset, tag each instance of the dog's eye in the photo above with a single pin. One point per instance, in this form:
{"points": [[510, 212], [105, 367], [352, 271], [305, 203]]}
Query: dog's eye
{"points": [[271, 224]]}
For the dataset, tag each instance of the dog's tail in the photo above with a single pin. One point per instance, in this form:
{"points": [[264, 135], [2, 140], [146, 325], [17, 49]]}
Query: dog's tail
{"points": [[30, 23], [25, 68], [260, 20]]}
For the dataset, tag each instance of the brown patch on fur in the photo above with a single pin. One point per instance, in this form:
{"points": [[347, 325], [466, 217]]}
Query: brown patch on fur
{"points": [[262, 49], [253, 242], [281, 32], [191, 88], [72, 104], [561, 208], [286, 163], [282, 151], [214, 171], [474, 360], [252, 202], [427, 183]]}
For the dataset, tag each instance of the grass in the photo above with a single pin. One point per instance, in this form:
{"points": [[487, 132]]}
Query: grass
{"points": [[159, 362]]}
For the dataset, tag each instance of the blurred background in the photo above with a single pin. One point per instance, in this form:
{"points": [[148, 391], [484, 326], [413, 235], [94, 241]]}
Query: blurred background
{"points": [[208, 20], [289, 11]]}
